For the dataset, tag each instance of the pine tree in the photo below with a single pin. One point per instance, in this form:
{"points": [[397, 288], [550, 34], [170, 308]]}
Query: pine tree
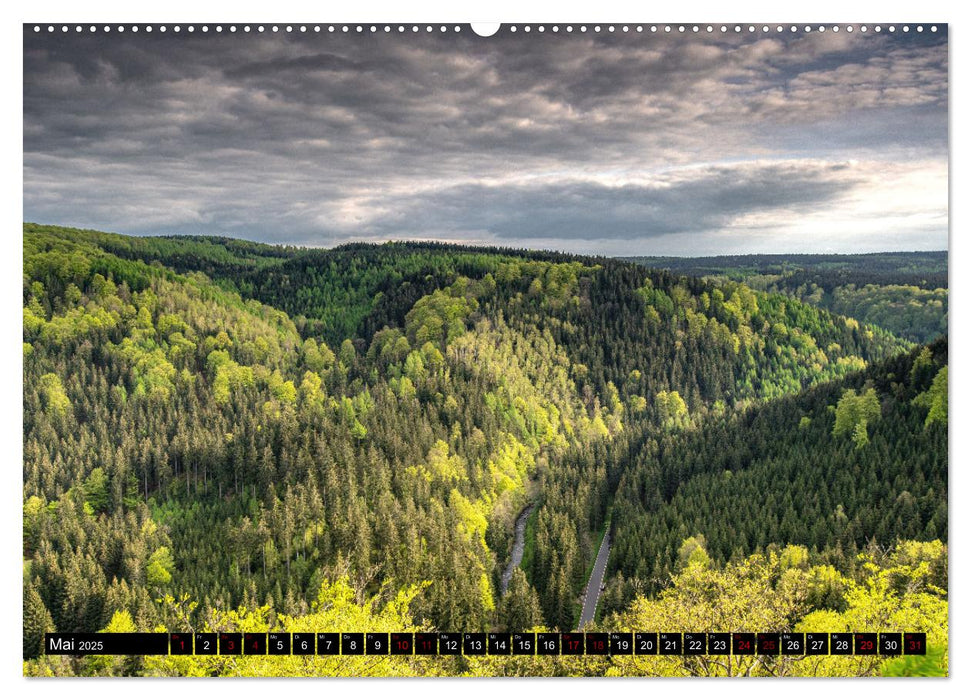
{"points": [[37, 622]]}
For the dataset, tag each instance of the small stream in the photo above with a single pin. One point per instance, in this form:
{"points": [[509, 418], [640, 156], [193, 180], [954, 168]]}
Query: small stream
{"points": [[518, 546]]}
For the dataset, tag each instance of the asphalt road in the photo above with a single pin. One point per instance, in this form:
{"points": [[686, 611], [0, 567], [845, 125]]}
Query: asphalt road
{"points": [[592, 595]]}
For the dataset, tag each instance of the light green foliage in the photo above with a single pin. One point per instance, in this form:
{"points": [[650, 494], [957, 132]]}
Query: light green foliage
{"points": [[510, 466], [774, 591], [159, 569], [485, 591], [440, 466], [899, 592], [932, 664], [794, 557], [220, 342], [472, 518], [151, 371], [439, 318], [935, 399], [228, 375], [692, 553], [283, 391], [415, 367], [98, 665], [337, 606], [350, 411], [72, 325], [853, 414], [317, 356], [757, 593], [405, 388], [171, 323], [554, 284], [432, 357], [181, 350], [672, 408], [33, 508], [850, 363], [52, 391], [311, 389]]}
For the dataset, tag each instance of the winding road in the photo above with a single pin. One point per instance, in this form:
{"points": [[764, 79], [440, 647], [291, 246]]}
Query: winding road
{"points": [[592, 593]]}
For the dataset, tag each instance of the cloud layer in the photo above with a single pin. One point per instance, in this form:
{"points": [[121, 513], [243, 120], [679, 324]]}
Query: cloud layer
{"points": [[614, 143]]}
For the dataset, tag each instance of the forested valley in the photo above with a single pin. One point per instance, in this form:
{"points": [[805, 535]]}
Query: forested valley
{"points": [[224, 435]]}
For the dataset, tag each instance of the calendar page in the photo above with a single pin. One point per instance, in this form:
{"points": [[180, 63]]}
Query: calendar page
{"points": [[523, 349]]}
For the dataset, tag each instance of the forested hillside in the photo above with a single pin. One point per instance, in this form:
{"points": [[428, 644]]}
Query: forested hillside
{"points": [[836, 469], [906, 293], [213, 426]]}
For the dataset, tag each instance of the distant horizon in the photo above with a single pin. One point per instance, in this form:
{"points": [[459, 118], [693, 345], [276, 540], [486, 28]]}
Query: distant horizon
{"points": [[497, 246]]}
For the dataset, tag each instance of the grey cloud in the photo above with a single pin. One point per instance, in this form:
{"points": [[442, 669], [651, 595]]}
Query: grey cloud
{"points": [[293, 137], [701, 201], [302, 64]]}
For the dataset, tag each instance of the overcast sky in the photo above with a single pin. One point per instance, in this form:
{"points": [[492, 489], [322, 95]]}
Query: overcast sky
{"points": [[619, 144]]}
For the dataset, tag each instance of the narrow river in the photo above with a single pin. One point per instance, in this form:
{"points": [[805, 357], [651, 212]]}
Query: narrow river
{"points": [[518, 546]]}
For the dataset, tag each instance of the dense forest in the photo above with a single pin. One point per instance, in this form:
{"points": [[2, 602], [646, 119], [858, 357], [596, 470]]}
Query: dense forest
{"points": [[791, 471], [227, 435], [905, 293]]}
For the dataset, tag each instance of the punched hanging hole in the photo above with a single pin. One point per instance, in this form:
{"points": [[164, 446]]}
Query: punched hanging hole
{"points": [[485, 29]]}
